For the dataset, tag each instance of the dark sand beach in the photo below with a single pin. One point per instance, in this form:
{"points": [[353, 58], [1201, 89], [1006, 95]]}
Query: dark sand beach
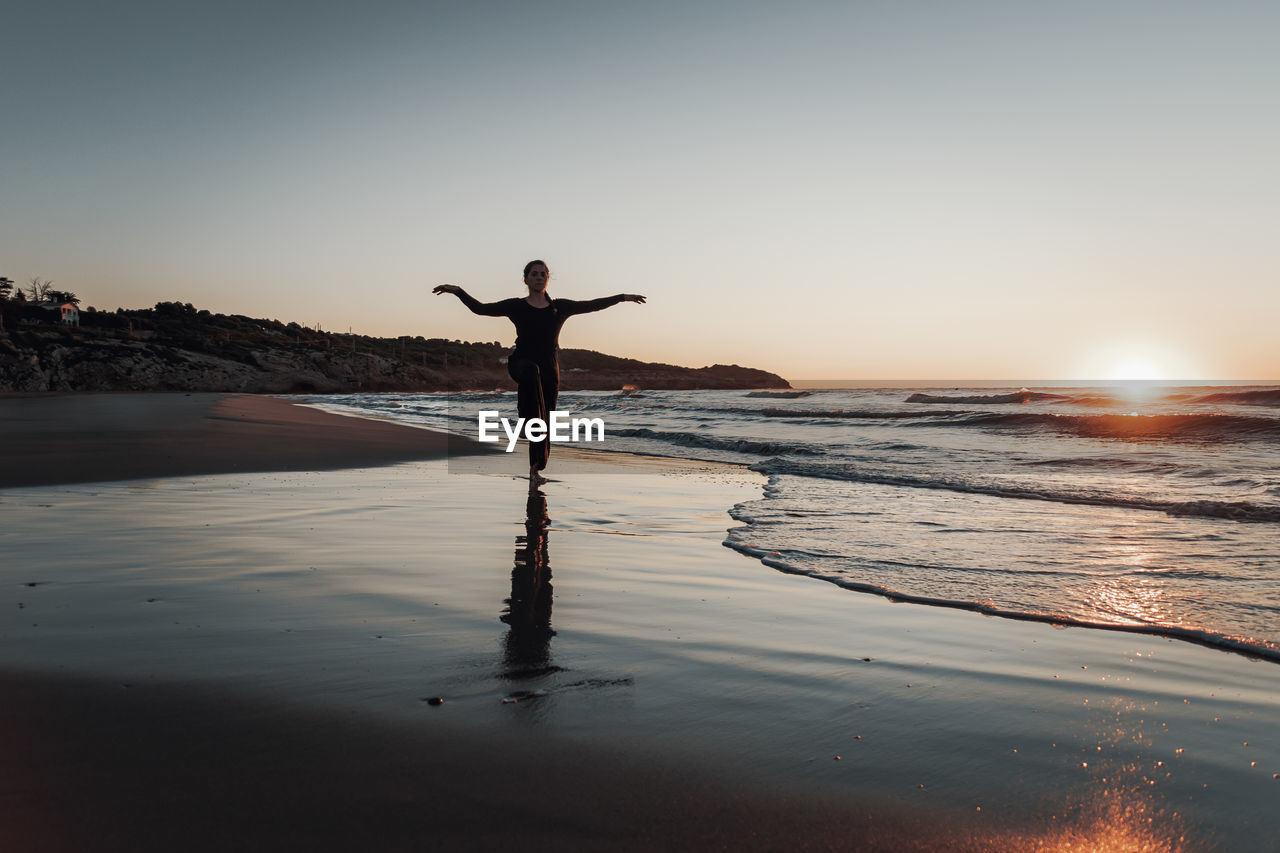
{"points": [[224, 616], [83, 438]]}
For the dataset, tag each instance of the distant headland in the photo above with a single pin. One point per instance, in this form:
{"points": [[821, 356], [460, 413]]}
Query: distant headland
{"points": [[55, 345]]}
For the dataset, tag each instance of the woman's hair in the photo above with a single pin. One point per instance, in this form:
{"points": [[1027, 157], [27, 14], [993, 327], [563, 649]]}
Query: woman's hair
{"points": [[529, 266]]}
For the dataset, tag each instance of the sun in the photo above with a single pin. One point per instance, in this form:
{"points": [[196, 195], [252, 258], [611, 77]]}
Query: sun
{"points": [[1136, 369], [1133, 361]]}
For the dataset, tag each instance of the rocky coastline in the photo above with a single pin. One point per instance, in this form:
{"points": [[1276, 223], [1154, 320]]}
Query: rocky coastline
{"points": [[179, 349]]}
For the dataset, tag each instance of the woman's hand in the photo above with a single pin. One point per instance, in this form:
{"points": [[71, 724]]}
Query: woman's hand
{"points": [[447, 288], [633, 297]]}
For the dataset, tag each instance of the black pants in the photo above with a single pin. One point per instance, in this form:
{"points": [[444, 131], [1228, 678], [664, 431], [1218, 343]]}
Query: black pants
{"points": [[538, 385]]}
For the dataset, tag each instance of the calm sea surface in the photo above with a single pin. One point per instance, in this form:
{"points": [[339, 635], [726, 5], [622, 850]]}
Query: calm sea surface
{"points": [[1155, 510]]}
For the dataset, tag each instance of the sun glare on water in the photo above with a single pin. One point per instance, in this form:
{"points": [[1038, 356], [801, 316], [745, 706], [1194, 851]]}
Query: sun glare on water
{"points": [[1137, 376], [1135, 380]]}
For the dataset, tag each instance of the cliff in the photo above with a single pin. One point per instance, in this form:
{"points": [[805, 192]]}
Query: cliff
{"points": [[174, 347]]}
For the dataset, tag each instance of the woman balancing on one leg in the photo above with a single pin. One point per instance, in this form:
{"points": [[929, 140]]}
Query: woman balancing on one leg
{"points": [[533, 363]]}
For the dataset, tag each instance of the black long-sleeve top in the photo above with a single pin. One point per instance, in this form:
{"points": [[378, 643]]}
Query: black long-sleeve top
{"points": [[537, 329]]}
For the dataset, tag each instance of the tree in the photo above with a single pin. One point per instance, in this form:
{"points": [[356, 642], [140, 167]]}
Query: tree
{"points": [[62, 296], [6, 288], [38, 289]]}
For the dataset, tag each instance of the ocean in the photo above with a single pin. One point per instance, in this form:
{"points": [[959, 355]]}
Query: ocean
{"points": [[1136, 508]]}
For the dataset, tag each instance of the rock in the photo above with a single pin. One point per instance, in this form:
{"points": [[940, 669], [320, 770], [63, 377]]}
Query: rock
{"points": [[213, 353]]}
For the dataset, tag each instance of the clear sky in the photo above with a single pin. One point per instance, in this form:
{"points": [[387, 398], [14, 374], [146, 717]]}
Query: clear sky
{"points": [[892, 189]]}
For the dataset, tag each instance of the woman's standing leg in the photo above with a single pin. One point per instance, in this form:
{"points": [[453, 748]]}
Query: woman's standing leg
{"points": [[530, 403], [550, 387]]}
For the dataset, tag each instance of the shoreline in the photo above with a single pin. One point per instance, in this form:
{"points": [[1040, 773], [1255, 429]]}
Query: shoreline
{"points": [[1218, 642], [587, 458], [260, 645]]}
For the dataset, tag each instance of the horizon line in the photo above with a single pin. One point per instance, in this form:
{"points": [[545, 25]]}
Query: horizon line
{"points": [[1027, 383]]}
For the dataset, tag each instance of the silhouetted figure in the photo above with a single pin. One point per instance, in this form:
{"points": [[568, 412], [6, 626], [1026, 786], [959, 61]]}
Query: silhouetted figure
{"points": [[527, 650], [533, 363]]}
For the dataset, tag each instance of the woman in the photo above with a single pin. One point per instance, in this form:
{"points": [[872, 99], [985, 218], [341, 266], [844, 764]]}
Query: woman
{"points": [[533, 363]]}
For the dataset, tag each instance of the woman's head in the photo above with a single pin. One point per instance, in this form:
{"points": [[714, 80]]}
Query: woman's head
{"points": [[536, 276]]}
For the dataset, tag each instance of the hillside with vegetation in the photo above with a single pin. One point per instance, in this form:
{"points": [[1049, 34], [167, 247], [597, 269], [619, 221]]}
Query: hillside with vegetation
{"points": [[177, 347]]}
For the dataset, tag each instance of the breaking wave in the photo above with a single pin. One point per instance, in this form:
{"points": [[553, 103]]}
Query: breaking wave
{"points": [[857, 414], [758, 447], [1023, 396], [1133, 427], [1268, 397], [1231, 510]]}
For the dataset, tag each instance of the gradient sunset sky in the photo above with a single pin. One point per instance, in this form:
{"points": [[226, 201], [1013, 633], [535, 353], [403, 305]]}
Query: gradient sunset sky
{"points": [[969, 190]]}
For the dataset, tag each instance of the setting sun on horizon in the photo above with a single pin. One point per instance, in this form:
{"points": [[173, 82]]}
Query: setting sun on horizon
{"points": [[1137, 369], [1148, 359]]}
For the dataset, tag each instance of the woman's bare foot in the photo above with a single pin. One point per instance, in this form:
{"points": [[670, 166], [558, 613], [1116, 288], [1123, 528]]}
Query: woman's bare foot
{"points": [[536, 479]]}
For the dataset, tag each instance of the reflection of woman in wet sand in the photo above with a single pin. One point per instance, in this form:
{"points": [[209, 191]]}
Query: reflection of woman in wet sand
{"points": [[533, 363], [527, 651]]}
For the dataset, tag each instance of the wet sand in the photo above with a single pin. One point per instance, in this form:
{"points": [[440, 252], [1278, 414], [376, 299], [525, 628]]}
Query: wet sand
{"points": [[241, 660], [82, 438]]}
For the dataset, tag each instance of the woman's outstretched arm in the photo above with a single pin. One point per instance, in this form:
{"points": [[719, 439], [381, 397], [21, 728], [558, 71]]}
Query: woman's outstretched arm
{"points": [[486, 309], [586, 306]]}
